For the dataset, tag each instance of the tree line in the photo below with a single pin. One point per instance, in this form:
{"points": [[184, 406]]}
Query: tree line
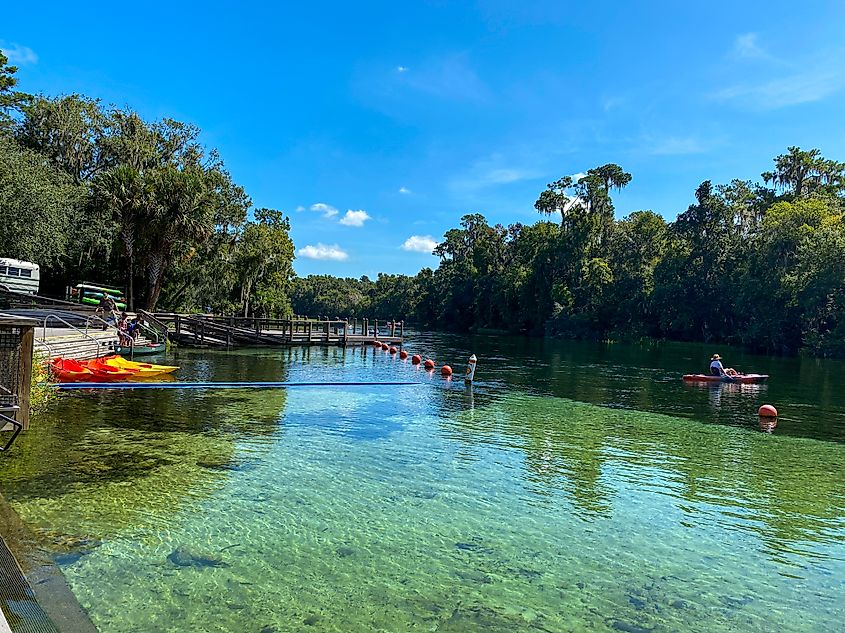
{"points": [[98, 193], [756, 264]]}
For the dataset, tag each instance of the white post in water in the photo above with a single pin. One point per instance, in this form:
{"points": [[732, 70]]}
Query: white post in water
{"points": [[470, 372]]}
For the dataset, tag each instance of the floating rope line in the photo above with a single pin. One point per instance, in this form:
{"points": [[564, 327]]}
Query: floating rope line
{"points": [[221, 385]]}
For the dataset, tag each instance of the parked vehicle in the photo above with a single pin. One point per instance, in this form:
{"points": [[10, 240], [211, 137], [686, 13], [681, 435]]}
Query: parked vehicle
{"points": [[19, 276]]}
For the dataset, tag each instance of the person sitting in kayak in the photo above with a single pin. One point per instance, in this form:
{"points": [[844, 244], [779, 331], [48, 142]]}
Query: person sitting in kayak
{"points": [[716, 368]]}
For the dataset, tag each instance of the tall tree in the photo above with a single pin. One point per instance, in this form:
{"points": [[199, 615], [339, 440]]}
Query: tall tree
{"points": [[803, 173], [11, 100], [181, 216], [263, 258], [124, 193], [70, 131]]}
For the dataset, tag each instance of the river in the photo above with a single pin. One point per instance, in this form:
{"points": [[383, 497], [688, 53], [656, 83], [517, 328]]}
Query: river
{"points": [[575, 487]]}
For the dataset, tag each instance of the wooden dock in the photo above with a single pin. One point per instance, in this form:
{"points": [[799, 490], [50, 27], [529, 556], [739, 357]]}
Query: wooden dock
{"points": [[230, 331]]}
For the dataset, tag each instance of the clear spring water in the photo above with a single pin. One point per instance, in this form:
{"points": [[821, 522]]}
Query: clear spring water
{"points": [[575, 488]]}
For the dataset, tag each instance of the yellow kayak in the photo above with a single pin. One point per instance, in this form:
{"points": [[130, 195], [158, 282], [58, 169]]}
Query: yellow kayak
{"points": [[144, 369]]}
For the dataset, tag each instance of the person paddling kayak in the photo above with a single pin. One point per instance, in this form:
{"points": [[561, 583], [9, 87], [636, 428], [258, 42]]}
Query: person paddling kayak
{"points": [[717, 369]]}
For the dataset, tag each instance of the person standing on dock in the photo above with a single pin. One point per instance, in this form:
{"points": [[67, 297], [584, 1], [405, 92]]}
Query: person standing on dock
{"points": [[108, 307]]}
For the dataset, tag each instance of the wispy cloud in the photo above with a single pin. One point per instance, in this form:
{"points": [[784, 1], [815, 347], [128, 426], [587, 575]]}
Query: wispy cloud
{"points": [[419, 244], [746, 47], [404, 190], [492, 172], [612, 102], [578, 176], [19, 55], [355, 218], [300, 209], [326, 252], [451, 77], [401, 69], [327, 210], [785, 91]]}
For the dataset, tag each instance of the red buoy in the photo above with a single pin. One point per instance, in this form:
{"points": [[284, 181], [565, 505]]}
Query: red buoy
{"points": [[445, 370], [428, 364], [403, 354], [384, 346], [767, 411], [393, 350], [416, 359], [376, 343]]}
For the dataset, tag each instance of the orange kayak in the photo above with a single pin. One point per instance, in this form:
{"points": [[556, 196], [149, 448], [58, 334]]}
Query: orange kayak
{"points": [[740, 378]]}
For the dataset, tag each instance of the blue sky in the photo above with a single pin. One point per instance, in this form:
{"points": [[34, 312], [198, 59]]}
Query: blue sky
{"points": [[378, 124]]}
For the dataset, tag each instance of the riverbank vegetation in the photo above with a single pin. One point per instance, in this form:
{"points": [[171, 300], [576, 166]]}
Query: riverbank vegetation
{"points": [[756, 264], [98, 193]]}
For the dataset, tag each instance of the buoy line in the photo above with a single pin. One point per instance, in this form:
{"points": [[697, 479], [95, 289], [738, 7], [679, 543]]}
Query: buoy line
{"points": [[222, 385]]}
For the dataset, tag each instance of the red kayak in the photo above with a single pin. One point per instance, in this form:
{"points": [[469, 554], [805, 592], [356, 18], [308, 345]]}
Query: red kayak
{"points": [[739, 378], [69, 370]]}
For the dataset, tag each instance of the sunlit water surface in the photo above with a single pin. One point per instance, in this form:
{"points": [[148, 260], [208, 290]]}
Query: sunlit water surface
{"points": [[576, 487]]}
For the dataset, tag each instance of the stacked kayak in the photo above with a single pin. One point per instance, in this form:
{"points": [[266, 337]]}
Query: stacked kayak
{"points": [[739, 378], [70, 370], [108, 369]]}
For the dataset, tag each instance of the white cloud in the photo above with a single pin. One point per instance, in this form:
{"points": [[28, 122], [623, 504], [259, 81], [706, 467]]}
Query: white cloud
{"points": [[331, 252], [327, 210], [786, 91], [746, 47], [19, 55], [419, 244], [404, 190], [401, 69], [578, 176], [355, 218], [300, 209]]}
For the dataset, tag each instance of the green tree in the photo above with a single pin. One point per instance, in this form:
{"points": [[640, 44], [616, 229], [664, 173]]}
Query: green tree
{"points": [[804, 173], [180, 216], [70, 131], [11, 100], [263, 258], [124, 193], [38, 207]]}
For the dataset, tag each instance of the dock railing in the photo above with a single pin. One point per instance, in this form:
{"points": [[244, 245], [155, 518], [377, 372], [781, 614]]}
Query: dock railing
{"points": [[229, 330]]}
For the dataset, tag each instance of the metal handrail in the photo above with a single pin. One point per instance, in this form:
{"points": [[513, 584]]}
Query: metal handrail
{"points": [[47, 318]]}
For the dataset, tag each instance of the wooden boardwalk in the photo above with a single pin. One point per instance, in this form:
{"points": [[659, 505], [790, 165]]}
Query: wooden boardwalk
{"points": [[222, 331]]}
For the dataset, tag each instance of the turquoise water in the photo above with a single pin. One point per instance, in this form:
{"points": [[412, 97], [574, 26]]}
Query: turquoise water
{"points": [[575, 488]]}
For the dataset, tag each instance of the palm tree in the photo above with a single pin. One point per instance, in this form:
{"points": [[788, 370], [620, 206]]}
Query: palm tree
{"points": [[181, 214], [123, 192]]}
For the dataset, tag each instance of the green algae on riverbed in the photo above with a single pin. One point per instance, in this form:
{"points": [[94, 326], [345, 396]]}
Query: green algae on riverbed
{"points": [[429, 509]]}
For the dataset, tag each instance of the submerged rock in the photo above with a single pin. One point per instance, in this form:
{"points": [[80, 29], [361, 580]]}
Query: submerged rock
{"points": [[627, 627], [467, 546], [184, 556], [344, 551]]}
